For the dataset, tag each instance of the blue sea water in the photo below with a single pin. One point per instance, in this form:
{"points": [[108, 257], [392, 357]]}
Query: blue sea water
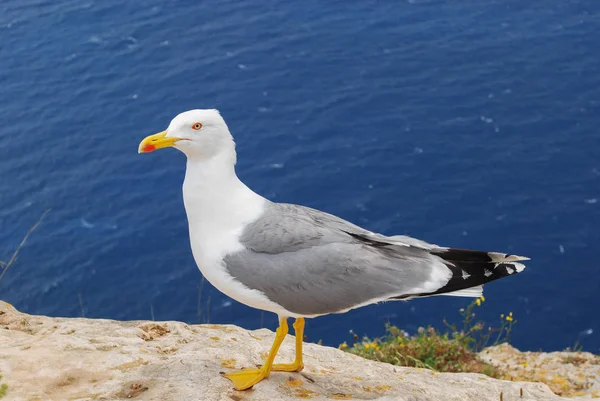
{"points": [[472, 124]]}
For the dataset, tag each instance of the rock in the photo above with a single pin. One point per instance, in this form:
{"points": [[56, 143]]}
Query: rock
{"points": [[61, 359], [572, 374]]}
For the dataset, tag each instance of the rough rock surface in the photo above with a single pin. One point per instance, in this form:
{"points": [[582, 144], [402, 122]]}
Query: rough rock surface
{"points": [[62, 359], [573, 374]]}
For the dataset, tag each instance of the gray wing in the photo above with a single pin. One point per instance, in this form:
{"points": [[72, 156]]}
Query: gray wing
{"points": [[313, 263]]}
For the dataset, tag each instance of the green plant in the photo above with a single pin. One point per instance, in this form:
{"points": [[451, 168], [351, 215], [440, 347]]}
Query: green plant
{"points": [[478, 334], [454, 350], [3, 388]]}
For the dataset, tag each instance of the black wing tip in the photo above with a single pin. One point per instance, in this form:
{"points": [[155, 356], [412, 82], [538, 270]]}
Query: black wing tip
{"points": [[466, 255], [467, 275]]}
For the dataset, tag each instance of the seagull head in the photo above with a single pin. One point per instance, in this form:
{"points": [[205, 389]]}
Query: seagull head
{"points": [[197, 133]]}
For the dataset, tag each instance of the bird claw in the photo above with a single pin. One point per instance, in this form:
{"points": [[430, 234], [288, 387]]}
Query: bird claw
{"points": [[246, 378]]}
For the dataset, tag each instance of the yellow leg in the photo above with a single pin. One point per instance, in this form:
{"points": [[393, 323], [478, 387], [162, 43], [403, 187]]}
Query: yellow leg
{"points": [[297, 365], [246, 378]]}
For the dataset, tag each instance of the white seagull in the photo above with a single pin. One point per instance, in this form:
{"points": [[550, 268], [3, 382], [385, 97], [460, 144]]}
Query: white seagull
{"points": [[296, 261]]}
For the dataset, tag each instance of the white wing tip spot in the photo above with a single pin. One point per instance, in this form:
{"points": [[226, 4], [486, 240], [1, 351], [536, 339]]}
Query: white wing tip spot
{"points": [[519, 266]]}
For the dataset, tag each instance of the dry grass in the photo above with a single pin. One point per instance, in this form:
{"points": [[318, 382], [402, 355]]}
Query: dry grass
{"points": [[6, 265]]}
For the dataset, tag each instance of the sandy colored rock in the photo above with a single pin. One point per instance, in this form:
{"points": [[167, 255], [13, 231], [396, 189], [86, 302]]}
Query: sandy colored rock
{"points": [[573, 374], [62, 359]]}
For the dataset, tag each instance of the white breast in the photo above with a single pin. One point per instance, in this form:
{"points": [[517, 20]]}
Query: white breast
{"points": [[218, 207]]}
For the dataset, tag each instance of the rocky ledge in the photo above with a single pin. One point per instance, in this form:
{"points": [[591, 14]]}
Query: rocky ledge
{"points": [[62, 359], [573, 374]]}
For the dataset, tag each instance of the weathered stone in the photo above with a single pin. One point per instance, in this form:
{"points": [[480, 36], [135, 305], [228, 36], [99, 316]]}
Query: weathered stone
{"points": [[572, 374], [62, 359]]}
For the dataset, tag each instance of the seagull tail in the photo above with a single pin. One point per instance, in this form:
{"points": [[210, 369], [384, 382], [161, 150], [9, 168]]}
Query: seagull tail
{"points": [[471, 269]]}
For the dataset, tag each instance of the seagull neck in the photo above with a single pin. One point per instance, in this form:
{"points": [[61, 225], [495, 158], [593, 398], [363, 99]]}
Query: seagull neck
{"points": [[218, 171], [213, 194]]}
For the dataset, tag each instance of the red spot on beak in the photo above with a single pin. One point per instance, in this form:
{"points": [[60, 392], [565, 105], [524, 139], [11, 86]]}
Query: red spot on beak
{"points": [[148, 148]]}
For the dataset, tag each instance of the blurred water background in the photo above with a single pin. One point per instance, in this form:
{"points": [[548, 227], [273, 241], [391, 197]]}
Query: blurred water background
{"points": [[471, 124]]}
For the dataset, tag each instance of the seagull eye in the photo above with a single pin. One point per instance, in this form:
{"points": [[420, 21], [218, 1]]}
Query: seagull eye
{"points": [[197, 126]]}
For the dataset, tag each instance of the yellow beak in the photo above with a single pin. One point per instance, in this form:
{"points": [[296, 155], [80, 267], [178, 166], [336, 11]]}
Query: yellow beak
{"points": [[156, 141]]}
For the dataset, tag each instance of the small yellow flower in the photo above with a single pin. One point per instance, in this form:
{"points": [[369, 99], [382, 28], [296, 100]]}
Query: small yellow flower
{"points": [[343, 345], [482, 298], [509, 318], [377, 348], [367, 346], [478, 302]]}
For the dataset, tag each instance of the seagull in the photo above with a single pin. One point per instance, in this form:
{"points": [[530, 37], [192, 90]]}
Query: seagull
{"points": [[296, 261]]}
